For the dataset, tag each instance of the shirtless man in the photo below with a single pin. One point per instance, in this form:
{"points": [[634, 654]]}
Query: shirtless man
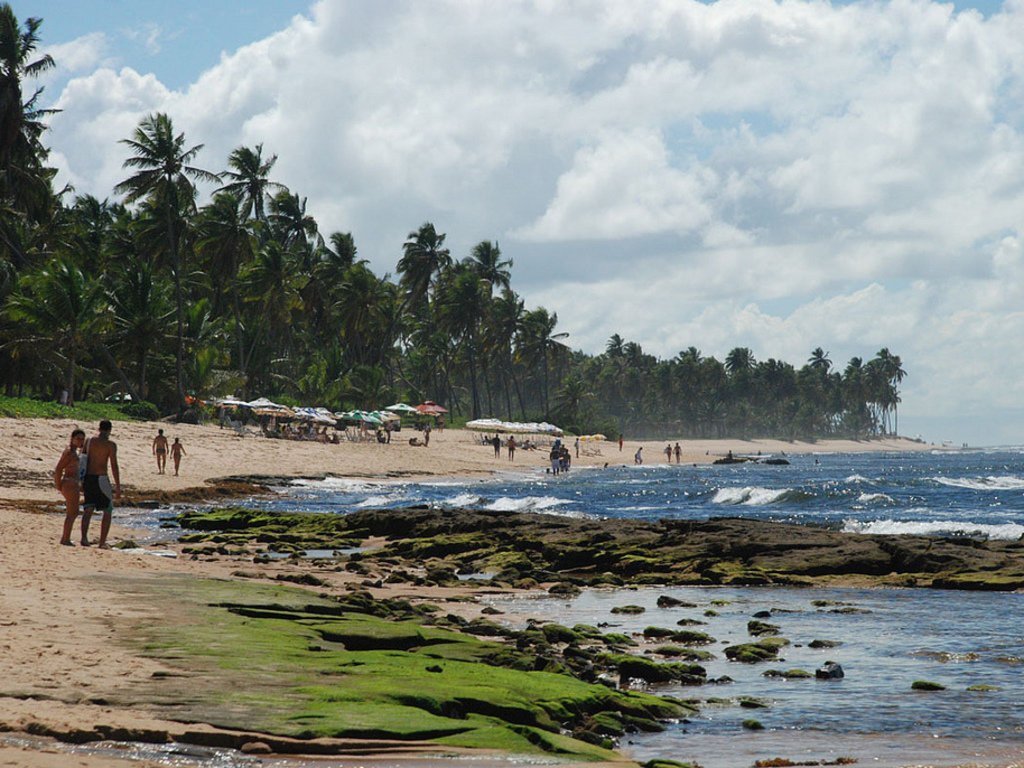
{"points": [[160, 451], [99, 496]]}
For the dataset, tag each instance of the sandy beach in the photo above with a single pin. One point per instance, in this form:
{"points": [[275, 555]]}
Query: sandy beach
{"points": [[62, 609]]}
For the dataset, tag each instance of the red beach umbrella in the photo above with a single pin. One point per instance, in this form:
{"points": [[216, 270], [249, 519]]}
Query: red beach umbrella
{"points": [[431, 407]]}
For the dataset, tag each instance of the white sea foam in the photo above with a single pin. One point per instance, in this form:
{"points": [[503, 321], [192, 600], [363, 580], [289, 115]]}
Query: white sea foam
{"points": [[857, 479], [1007, 531], [525, 504], [382, 500], [462, 500], [874, 498], [990, 483], [349, 485], [753, 496]]}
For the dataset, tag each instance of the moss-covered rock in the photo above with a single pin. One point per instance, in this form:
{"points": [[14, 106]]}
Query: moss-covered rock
{"points": [[629, 609], [758, 628], [926, 685], [752, 653], [789, 674]]}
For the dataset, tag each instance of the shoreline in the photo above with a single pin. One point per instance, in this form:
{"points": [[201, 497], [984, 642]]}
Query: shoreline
{"points": [[63, 611]]}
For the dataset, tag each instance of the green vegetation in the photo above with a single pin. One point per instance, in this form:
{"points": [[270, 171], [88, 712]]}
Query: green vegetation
{"points": [[165, 293], [28, 408], [279, 660]]}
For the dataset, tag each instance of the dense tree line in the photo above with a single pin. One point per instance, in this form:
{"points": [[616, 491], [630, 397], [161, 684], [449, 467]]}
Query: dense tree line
{"points": [[167, 299]]}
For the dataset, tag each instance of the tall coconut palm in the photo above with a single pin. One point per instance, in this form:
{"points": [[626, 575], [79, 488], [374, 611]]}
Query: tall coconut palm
{"points": [[461, 305], [424, 257], [226, 244], [24, 180], [165, 175], [539, 342], [819, 360], [248, 172], [489, 266]]}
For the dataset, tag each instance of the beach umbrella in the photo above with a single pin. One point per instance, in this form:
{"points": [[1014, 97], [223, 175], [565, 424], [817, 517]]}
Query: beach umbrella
{"points": [[401, 408], [488, 425], [431, 408]]}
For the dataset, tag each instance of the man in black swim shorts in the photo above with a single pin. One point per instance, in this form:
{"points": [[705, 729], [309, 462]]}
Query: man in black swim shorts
{"points": [[99, 496]]}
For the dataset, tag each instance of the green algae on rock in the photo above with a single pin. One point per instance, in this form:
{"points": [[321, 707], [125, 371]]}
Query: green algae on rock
{"points": [[719, 551], [277, 659]]}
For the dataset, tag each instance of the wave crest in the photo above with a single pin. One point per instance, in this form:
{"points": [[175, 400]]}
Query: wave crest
{"points": [[1005, 531]]}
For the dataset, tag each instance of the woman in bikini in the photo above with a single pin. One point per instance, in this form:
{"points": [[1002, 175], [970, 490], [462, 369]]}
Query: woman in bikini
{"points": [[65, 477]]}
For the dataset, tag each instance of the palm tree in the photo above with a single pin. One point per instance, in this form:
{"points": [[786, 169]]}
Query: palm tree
{"points": [[24, 181], [461, 305], [486, 261], [819, 360], [272, 282], [539, 340], [141, 312], [505, 320], [248, 173], [739, 360], [424, 257], [164, 175], [614, 346], [61, 311], [226, 244]]}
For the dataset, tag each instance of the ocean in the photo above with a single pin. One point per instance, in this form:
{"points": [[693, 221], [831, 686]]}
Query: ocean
{"points": [[885, 639], [971, 493]]}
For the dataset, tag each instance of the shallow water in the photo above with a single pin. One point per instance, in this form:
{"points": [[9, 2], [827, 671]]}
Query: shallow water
{"points": [[952, 638]]}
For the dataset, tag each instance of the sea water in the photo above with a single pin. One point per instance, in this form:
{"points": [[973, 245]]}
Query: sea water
{"points": [[888, 638], [972, 493]]}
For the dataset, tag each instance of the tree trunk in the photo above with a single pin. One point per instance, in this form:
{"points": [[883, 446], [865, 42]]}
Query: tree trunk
{"points": [[176, 265]]}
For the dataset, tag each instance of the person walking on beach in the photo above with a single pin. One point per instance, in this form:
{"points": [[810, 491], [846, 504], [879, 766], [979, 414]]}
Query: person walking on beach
{"points": [[668, 452], [177, 451], [577, 447], [101, 453], [638, 457], [496, 442], [66, 478], [160, 451], [511, 448], [620, 442], [679, 454]]}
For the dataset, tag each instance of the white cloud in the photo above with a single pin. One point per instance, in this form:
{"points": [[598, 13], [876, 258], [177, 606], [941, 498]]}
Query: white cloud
{"points": [[746, 172]]}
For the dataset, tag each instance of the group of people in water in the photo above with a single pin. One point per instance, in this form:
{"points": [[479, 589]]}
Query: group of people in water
{"points": [[83, 477]]}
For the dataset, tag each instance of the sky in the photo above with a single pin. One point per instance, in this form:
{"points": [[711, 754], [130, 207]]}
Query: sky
{"points": [[773, 175]]}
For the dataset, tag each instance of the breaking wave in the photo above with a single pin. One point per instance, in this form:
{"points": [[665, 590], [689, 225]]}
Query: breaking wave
{"points": [[1006, 531], [755, 496], [525, 504], [874, 498], [991, 483]]}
